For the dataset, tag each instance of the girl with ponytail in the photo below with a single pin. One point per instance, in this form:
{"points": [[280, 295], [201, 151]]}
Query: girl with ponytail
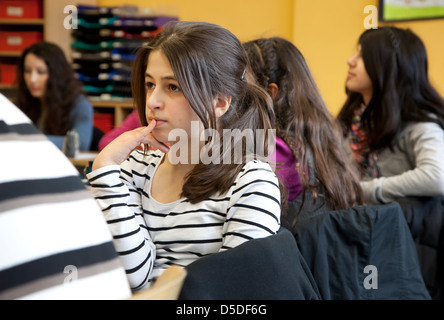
{"points": [[194, 179], [311, 162]]}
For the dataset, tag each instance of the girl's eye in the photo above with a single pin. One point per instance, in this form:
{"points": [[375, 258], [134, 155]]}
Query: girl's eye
{"points": [[174, 88], [150, 85]]}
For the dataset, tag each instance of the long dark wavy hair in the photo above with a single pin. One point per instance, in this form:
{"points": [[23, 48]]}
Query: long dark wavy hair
{"points": [[207, 60], [303, 121], [396, 62], [62, 89]]}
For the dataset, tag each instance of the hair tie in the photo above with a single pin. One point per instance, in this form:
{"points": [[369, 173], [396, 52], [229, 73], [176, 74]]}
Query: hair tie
{"points": [[243, 74]]}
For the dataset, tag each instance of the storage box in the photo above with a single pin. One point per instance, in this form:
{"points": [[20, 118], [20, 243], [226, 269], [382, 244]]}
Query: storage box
{"points": [[104, 121], [7, 73], [21, 9], [18, 41]]}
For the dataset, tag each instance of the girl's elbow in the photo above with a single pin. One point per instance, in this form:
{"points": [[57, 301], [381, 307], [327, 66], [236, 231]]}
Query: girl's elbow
{"points": [[438, 185], [440, 188]]}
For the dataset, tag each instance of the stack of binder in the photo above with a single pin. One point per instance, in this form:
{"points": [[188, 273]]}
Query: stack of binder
{"points": [[105, 43]]}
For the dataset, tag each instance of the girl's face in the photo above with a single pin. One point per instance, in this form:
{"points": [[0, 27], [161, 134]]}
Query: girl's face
{"points": [[357, 77], [36, 75], [165, 101]]}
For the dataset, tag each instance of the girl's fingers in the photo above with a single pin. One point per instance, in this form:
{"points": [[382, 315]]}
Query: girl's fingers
{"points": [[148, 138]]}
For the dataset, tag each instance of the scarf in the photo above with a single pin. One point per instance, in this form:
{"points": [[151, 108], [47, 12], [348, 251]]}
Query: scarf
{"points": [[366, 159]]}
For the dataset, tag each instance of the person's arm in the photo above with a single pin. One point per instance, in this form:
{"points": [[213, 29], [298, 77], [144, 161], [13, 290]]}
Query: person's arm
{"points": [[254, 209], [131, 122], [425, 179], [112, 184], [82, 121], [121, 204], [57, 140]]}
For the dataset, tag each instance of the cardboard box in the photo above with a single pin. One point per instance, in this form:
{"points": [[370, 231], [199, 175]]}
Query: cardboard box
{"points": [[7, 73], [21, 9], [18, 41]]}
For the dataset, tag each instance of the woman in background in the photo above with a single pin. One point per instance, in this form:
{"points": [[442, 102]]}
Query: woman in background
{"points": [[51, 96], [309, 155], [393, 118]]}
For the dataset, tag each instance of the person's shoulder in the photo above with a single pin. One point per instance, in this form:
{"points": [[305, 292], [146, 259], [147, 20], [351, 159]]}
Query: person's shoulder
{"points": [[283, 152], [423, 128], [82, 101], [255, 170]]}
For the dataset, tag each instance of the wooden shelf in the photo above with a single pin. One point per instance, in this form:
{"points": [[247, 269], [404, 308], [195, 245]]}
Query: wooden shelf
{"points": [[121, 107], [30, 22], [7, 86], [52, 26], [15, 54]]}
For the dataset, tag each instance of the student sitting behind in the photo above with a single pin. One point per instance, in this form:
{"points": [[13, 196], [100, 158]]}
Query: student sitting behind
{"points": [[393, 117], [50, 95], [310, 159]]}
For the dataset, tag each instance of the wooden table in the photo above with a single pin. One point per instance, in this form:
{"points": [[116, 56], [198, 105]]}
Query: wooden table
{"points": [[83, 158]]}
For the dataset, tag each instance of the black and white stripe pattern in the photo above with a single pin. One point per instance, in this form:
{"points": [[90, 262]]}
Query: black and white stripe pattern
{"points": [[149, 236], [54, 241]]}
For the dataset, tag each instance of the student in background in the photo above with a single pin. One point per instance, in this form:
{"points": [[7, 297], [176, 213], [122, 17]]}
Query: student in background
{"points": [[310, 159], [51, 96], [393, 118], [187, 81], [132, 121], [54, 241]]}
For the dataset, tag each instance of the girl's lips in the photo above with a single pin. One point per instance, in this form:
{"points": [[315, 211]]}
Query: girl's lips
{"points": [[159, 122], [350, 75]]}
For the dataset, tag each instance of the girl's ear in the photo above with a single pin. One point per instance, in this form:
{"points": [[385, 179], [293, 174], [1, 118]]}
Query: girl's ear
{"points": [[221, 105], [273, 90]]}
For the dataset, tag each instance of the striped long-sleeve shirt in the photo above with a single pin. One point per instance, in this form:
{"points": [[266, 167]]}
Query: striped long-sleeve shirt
{"points": [[54, 241], [149, 236]]}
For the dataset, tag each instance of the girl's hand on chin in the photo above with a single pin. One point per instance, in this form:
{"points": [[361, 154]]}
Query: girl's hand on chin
{"points": [[121, 147]]}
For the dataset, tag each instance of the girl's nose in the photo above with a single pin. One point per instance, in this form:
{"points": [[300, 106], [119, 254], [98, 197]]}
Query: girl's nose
{"points": [[34, 76], [154, 99], [351, 61]]}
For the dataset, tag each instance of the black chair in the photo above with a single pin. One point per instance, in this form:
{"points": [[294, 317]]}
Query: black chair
{"points": [[97, 135], [270, 268], [425, 217]]}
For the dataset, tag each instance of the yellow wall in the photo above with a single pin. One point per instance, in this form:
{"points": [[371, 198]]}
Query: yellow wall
{"points": [[325, 31], [246, 18]]}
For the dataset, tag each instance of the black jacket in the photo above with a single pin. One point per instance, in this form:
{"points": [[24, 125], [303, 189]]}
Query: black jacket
{"points": [[363, 253], [425, 216]]}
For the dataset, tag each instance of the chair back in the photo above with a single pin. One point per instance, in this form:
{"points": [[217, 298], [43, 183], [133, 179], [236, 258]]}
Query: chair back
{"points": [[362, 253], [270, 268]]}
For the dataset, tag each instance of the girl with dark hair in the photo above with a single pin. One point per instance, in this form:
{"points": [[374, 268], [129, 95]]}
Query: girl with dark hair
{"points": [[171, 205], [308, 144], [50, 95], [393, 118]]}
